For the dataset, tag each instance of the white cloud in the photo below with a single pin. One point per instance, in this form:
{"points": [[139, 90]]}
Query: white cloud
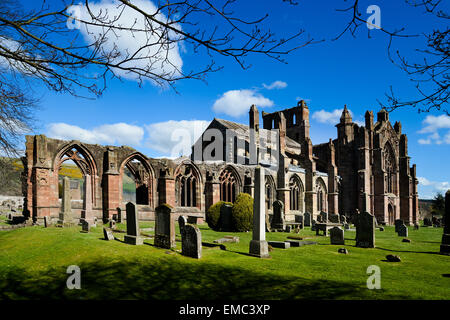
{"points": [[153, 55], [429, 188], [433, 123], [236, 103], [332, 117], [424, 141], [174, 138], [119, 133], [431, 126], [275, 85]]}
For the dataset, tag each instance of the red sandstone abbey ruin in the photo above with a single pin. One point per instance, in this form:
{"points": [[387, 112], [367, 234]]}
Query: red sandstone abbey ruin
{"points": [[366, 168]]}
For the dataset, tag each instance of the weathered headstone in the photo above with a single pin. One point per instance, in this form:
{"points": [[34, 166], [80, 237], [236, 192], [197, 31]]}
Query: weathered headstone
{"points": [[85, 226], [313, 225], [164, 227], [300, 219], [427, 222], [133, 234], [288, 229], [334, 218], [402, 230], [65, 216], [278, 215], [112, 224], [342, 219], [445, 244], [416, 226], [225, 218], [365, 230], [227, 239], [259, 246], [280, 244], [46, 221], [337, 236], [397, 223], [107, 234], [324, 216], [191, 239], [393, 258], [307, 219], [119, 215]]}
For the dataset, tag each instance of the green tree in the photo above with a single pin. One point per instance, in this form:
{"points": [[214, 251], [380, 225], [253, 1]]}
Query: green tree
{"points": [[438, 205]]}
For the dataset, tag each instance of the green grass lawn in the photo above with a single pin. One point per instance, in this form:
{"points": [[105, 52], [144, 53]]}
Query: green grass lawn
{"points": [[33, 263]]}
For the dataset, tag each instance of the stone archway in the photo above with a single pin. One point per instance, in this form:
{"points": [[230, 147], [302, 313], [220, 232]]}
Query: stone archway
{"points": [[230, 184], [391, 214], [83, 159], [137, 164]]}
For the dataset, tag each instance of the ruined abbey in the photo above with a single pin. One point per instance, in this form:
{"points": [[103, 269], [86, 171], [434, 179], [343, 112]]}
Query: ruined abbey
{"points": [[365, 169]]}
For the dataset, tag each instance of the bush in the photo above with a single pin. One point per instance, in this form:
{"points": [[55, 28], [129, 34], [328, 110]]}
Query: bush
{"points": [[213, 215], [243, 213]]}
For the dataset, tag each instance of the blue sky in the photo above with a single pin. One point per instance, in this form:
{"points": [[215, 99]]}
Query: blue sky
{"points": [[351, 71]]}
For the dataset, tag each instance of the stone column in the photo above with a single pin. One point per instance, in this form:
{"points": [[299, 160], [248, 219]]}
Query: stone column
{"points": [[133, 232], [445, 246], [259, 246], [86, 213], [212, 193], [65, 216]]}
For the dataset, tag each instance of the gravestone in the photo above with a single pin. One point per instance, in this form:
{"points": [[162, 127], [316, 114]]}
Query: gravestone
{"points": [[324, 216], [119, 215], [107, 234], [112, 224], [280, 244], [313, 225], [416, 226], [402, 230], [133, 234], [342, 219], [46, 222], [343, 250], [85, 226], [334, 218], [227, 239], [164, 227], [191, 239], [114, 217], [427, 222], [193, 219], [397, 223], [288, 229], [278, 215], [225, 218], [346, 226], [365, 230], [445, 244], [307, 219], [259, 246], [337, 236], [65, 216]]}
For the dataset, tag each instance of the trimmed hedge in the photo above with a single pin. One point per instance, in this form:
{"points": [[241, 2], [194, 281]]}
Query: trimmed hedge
{"points": [[243, 213], [213, 215]]}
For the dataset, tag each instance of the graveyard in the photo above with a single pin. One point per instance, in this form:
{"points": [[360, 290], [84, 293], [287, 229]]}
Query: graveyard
{"points": [[33, 263]]}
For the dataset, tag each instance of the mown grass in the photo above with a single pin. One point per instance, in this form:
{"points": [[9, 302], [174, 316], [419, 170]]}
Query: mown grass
{"points": [[33, 263]]}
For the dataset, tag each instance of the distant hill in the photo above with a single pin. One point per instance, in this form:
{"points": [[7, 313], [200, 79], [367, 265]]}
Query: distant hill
{"points": [[425, 208]]}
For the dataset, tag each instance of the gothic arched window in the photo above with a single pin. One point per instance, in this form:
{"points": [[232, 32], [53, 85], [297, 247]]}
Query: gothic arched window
{"points": [[321, 195], [390, 169], [228, 185], [186, 186], [296, 194]]}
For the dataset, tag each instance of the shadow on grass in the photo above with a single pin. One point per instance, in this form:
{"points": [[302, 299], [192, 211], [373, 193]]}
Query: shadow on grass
{"points": [[427, 252], [170, 278]]}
